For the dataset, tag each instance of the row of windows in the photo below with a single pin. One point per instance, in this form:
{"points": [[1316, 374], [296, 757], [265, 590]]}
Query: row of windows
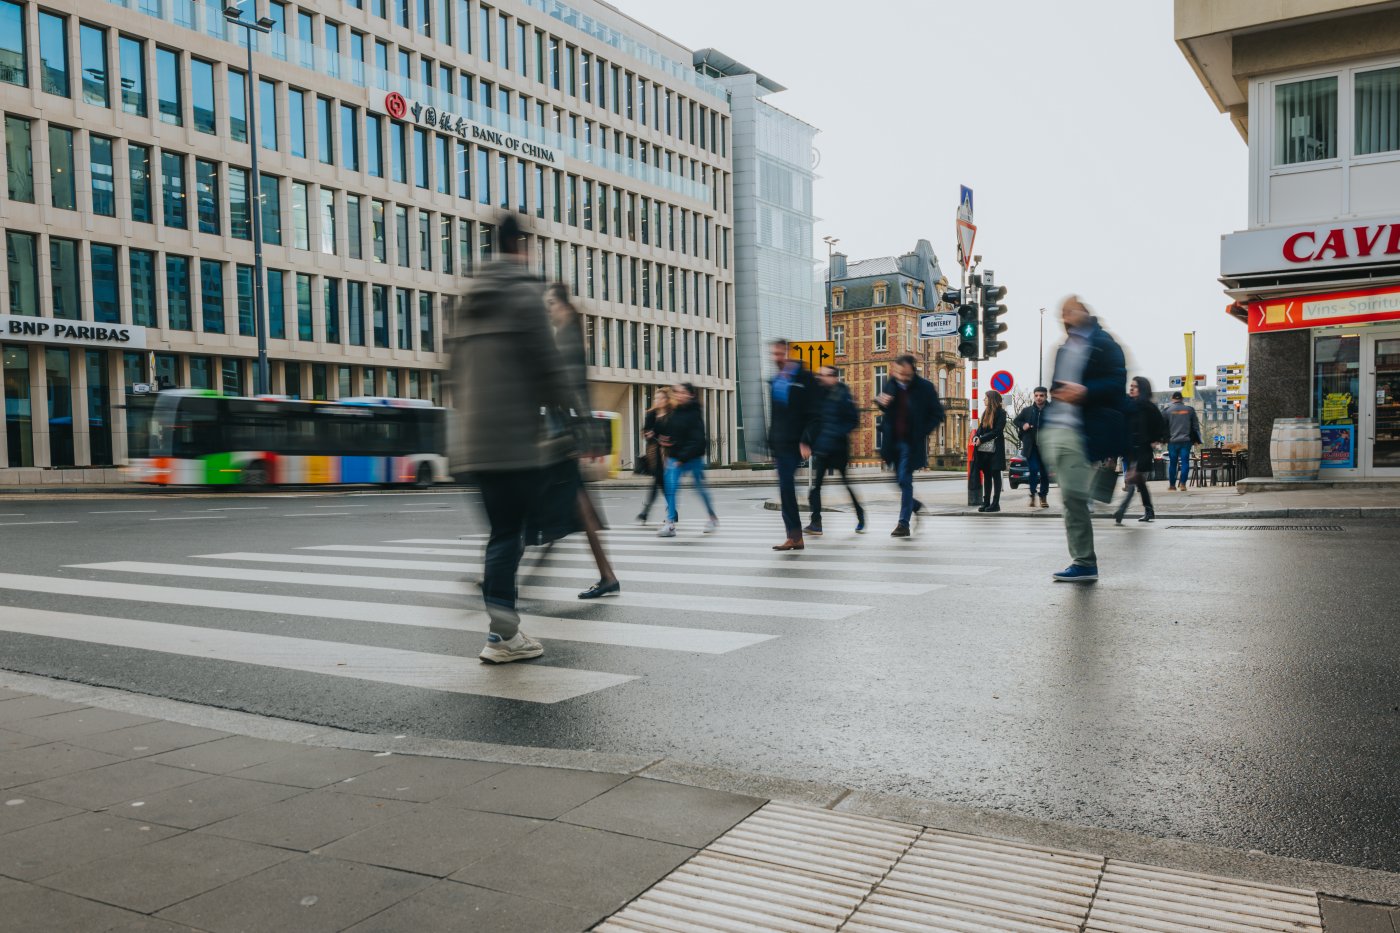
{"points": [[913, 295], [204, 93], [639, 345], [295, 379], [215, 297], [881, 333], [1310, 124]]}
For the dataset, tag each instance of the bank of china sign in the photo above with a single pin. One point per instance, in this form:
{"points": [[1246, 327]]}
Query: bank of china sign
{"points": [[16, 328], [428, 117]]}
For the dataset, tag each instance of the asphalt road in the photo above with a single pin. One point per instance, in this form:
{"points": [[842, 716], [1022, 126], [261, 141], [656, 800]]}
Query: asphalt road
{"points": [[1228, 686]]}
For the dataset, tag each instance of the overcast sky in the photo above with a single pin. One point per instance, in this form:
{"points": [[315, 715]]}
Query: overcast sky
{"points": [[1098, 162]]}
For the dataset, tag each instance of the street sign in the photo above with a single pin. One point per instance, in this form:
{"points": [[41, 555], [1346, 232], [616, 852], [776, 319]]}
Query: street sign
{"points": [[1177, 382], [814, 354], [938, 324], [967, 234], [1237, 396], [1002, 381]]}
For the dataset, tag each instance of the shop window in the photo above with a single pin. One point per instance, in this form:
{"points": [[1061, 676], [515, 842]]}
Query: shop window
{"points": [[1305, 121], [59, 388], [1336, 392], [19, 427], [1377, 109]]}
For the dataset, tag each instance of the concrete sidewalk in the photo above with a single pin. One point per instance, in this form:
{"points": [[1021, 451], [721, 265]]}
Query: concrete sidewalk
{"points": [[124, 813]]}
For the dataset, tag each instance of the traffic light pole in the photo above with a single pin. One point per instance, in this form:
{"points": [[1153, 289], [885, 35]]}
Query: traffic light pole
{"points": [[974, 479]]}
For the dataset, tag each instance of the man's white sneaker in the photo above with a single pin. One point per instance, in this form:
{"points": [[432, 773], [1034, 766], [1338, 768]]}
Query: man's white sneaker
{"points": [[502, 651], [712, 526], [668, 530]]}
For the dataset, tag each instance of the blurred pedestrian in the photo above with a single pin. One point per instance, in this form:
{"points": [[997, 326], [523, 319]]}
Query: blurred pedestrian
{"points": [[653, 461], [506, 371], [1146, 428], [1083, 427], [990, 441], [1183, 433], [837, 417], [912, 413], [1028, 422], [568, 337], [684, 444], [792, 400]]}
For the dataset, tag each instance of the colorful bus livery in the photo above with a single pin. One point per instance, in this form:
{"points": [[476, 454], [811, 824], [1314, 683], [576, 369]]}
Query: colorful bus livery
{"points": [[199, 438]]}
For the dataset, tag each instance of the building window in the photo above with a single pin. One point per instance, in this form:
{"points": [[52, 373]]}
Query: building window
{"points": [[92, 47], [838, 336], [14, 63], [301, 232], [425, 241], [172, 173], [276, 305], [239, 219], [882, 375], [377, 232], [1305, 121], [374, 146], [1377, 96], [243, 295], [106, 303], [267, 116], [141, 280], [63, 185], [202, 96], [305, 325], [139, 168], [296, 120], [881, 293], [328, 221], [355, 321], [330, 303], [19, 159], [882, 337], [177, 293], [206, 194], [271, 210], [211, 288], [53, 54], [426, 339], [838, 299], [354, 236], [403, 299], [350, 137], [401, 246], [380, 317], [132, 53], [237, 107], [943, 383], [325, 136], [168, 94], [21, 254]]}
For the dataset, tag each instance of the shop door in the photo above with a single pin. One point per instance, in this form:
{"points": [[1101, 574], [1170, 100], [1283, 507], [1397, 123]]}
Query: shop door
{"points": [[1380, 446]]}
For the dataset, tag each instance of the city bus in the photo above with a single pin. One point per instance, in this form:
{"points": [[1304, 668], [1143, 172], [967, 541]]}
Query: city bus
{"points": [[192, 437]]}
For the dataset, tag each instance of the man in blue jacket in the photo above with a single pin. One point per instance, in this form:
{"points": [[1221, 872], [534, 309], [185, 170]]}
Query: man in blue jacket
{"points": [[792, 401], [912, 413], [1084, 426], [837, 417]]}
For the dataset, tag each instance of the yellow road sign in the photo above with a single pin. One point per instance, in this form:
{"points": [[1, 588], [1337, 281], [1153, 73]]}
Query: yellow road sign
{"points": [[814, 354]]}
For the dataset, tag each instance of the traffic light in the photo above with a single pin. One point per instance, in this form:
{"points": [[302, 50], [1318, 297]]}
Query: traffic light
{"points": [[992, 309], [967, 332], [951, 296]]}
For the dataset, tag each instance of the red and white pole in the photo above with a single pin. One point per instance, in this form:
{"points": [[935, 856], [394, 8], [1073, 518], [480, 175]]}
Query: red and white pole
{"points": [[974, 482]]}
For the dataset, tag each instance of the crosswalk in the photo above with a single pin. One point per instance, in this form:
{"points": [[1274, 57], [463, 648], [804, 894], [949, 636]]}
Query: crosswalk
{"points": [[735, 593]]}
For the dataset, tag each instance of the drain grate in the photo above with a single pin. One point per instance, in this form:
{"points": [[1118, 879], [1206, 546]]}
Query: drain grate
{"points": [[1255, 528]]}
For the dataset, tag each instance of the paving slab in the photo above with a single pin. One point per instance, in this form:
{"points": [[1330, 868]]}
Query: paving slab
{"points": [[31, 706], [674, 813], [1339, 916], [48, 760], [575, 866], [78, 722], [449, 905], [309, 894], [223, 756], [21, 812], [421, 780], [30, 909], [526, 790], [433, 840], [7, 694], [152, 738], [58, 845], [167, 872], [309, 821], [101, 787], [9, 741], [314, 767], [206, 801]]}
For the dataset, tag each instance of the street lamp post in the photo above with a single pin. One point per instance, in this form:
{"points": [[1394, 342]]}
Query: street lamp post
{"points": [[263, 25], [1040, 380], [830, 242]]}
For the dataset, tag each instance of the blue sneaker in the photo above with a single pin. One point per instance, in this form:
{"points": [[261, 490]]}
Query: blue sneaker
{"points": [[1077, 573], [860, 525]]}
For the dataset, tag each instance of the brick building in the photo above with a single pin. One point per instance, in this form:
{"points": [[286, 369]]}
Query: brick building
{"points": [[876, 305]]}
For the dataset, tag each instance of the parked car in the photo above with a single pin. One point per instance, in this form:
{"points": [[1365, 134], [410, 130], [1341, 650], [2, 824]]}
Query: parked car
{"points": [[1017, 470]]}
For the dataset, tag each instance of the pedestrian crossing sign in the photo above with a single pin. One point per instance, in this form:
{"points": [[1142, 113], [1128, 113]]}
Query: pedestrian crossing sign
{"points": [[814, 354]]}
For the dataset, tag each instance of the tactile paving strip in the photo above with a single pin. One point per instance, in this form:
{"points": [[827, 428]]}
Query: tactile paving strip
{"points": [[952, 881], [1142, 899], [784, 869]]}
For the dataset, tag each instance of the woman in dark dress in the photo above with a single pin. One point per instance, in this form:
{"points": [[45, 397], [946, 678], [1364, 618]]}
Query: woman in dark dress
{"points": [[1146, 427], [655, 461], [991, 451]]}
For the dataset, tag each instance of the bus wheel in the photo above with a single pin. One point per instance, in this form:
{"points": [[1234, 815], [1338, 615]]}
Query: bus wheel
{"points": [[425, 476], [255, 475]]}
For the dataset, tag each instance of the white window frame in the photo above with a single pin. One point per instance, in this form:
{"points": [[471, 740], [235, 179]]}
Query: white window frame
{"points": [[838, 336], [881, 376], [882, 336], [881, 293]]}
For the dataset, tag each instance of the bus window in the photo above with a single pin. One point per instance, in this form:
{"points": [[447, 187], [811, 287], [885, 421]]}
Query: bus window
{"points": [[196, 429]]}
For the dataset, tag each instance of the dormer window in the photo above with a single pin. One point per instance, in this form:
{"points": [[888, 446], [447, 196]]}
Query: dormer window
{"points": [[881, 293], [838, 299]]}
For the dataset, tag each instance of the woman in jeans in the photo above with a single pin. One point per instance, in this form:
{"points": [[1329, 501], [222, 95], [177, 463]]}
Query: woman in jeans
{"points": [[683, 443], [655, 462], [1146, 426], [991, 451]]}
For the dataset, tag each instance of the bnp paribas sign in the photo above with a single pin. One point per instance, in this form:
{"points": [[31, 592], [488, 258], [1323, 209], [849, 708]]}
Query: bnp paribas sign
{"points": [[19, 328], [442, 121]]}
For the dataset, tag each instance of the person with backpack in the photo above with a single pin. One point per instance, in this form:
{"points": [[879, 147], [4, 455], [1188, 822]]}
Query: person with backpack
{"points": [[990, 441], [1183, 433], [683, 445], [1146, 427], [837, 417]]}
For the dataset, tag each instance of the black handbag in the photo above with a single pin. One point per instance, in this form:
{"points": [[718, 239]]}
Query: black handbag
{"points": [[554, 512]]}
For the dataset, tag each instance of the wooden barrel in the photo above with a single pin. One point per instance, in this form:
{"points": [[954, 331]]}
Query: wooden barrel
{"points": [[1295, 449]]}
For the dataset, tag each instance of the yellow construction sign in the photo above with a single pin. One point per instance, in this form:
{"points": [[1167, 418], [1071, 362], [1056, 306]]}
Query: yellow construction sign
{"points": [[814, 354]]}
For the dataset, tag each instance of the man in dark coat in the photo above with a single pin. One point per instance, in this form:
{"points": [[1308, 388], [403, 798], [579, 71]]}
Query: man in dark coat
{"points": [[1028, 423], [505, 370], [793, 400], [912, 413], [837, 417], [1084, 426]]}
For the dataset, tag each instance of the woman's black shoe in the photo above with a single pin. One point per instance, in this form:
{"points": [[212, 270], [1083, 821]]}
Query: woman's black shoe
{"points": [[601, 589], [994, 507], [1118, 516], [1148, 516], [983, 508]]}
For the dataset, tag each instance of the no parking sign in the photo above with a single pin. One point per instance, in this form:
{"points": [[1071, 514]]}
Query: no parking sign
{"points": [[1002, 381]]}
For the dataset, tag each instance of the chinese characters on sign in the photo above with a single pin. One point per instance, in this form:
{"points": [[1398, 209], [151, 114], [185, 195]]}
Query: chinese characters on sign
{"points": [[429, 117]]}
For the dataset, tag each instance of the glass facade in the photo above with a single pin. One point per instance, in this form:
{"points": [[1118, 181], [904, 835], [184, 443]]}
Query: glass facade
{"points": [[106, 285], [64, 279], [63, 183], [104, 184]]}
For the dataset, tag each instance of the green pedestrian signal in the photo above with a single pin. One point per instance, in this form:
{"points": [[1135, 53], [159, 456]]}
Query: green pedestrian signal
{"points": [[967, 332]]}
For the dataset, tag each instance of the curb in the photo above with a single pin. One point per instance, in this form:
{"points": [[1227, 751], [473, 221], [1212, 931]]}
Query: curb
{"points": [[1369, 513], [1340, 881]]}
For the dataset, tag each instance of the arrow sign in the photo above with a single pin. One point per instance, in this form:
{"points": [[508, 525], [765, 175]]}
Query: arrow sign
{"points": [[938, 324]]}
